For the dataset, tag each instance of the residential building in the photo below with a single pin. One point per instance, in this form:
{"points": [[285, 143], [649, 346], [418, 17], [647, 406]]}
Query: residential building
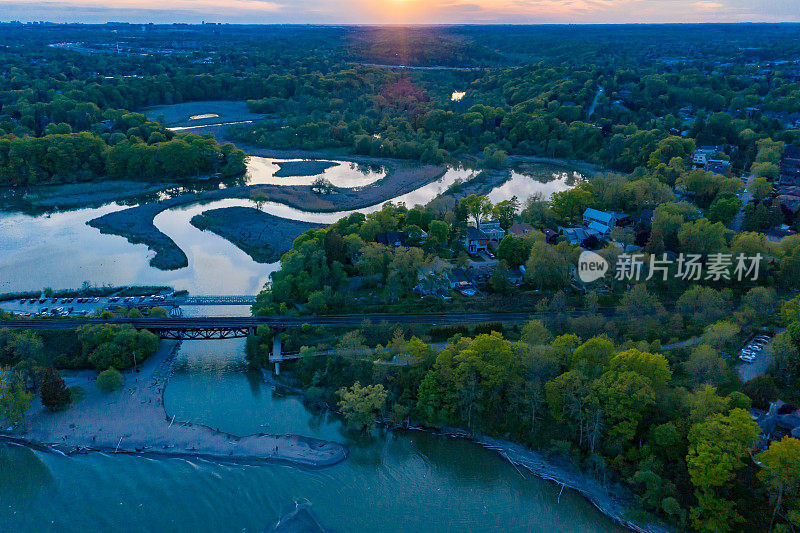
{"points": [[781, 420], [392, 238], [550, 236], [520, 228], [475, 240], [493, 230], [704, 154], [579, 236], [790, 166], [600, 222], [718, 167]]}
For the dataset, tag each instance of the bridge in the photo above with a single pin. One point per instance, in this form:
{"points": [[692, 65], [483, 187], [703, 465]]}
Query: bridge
{"points": [[215, 300], [224, 327], [207, 328]]}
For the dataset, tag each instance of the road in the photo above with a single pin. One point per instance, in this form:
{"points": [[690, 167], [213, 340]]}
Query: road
{"points": [[747, 195], [594, 102]]}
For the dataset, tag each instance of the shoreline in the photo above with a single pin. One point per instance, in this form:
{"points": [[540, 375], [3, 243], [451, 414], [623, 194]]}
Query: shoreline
{"points": [[133, 421], [614, 502]]}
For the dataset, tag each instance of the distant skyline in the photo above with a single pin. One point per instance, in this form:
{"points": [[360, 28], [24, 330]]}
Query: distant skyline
{"points": [[402, 11]]}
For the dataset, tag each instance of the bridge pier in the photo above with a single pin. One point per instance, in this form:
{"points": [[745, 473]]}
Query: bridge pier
{"points": [[276, 352]]}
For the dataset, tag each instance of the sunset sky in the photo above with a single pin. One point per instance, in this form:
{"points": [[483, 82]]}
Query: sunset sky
{"points": [[402, 11]]}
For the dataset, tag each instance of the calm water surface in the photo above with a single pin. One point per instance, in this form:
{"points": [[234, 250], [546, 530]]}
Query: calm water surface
{"points": [[409, 481], [59, 250]]}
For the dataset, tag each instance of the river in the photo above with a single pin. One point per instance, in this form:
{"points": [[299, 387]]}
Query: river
{"points": [[59, 250], [392, 481]]}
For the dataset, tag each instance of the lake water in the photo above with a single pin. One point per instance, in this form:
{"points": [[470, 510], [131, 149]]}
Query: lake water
{"points": [[394, 481], [59, 250]]}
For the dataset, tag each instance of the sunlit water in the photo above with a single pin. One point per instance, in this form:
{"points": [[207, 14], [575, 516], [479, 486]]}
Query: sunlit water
{"points": [[59, 250], [404, 481], [261, 171]]}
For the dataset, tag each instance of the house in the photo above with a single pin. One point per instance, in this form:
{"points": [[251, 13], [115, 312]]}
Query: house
{"points": [[779, 233], [493, 230], [718, 167], [600, 222], [704, 154], [475, 240], [392, 238], [790, 166], [623, 219], [457, 278], [520, 228], [550, 236], [781, 420], [581, 236], [434, 278]]}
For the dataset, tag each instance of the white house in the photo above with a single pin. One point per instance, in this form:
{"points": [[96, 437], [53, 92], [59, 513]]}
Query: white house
{"points": [[704, 154], [601, 222]]}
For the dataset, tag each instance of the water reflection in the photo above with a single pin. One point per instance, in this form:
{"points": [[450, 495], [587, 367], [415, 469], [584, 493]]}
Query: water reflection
{"points": [[60, 250], [263, 170]]}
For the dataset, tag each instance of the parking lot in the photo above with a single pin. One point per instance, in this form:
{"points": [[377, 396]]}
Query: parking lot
{"points": [[754, 357], [75, 306]]}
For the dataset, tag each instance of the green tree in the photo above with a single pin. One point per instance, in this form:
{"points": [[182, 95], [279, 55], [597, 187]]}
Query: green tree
{"points": [[718, 447], [438, 234], [109, 380], [478, 207], [781, 474], [14, 400], [362, 405], [703, 237]]}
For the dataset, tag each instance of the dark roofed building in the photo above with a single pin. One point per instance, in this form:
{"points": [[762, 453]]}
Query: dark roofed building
{"points": [[520, 228], [781, 420], [475, 240], [392, 238]]}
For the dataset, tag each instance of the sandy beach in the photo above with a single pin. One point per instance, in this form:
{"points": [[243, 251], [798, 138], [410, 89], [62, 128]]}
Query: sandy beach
{"points": [[132, 420]]}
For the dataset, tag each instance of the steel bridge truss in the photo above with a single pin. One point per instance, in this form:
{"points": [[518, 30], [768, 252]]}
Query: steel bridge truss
{"points": [[204, 333]]}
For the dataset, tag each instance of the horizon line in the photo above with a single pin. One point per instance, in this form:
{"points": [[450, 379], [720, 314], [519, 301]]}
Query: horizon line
{"points": [[399, 24]]}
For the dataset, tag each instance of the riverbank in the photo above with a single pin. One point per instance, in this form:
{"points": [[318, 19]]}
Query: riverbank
{"points": [[132, 420], [262, 236], [43, 198]]}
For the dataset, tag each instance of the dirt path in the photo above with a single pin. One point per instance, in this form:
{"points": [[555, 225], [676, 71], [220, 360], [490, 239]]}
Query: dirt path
{"points": [[133, 420]]}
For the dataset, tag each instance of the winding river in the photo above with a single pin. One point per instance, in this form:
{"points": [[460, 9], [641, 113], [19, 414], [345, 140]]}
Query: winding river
{"points": [[59, 250], [392, 481]]}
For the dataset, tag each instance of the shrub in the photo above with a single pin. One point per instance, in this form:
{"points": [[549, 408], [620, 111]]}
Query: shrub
{"points": [[109, 380]]}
